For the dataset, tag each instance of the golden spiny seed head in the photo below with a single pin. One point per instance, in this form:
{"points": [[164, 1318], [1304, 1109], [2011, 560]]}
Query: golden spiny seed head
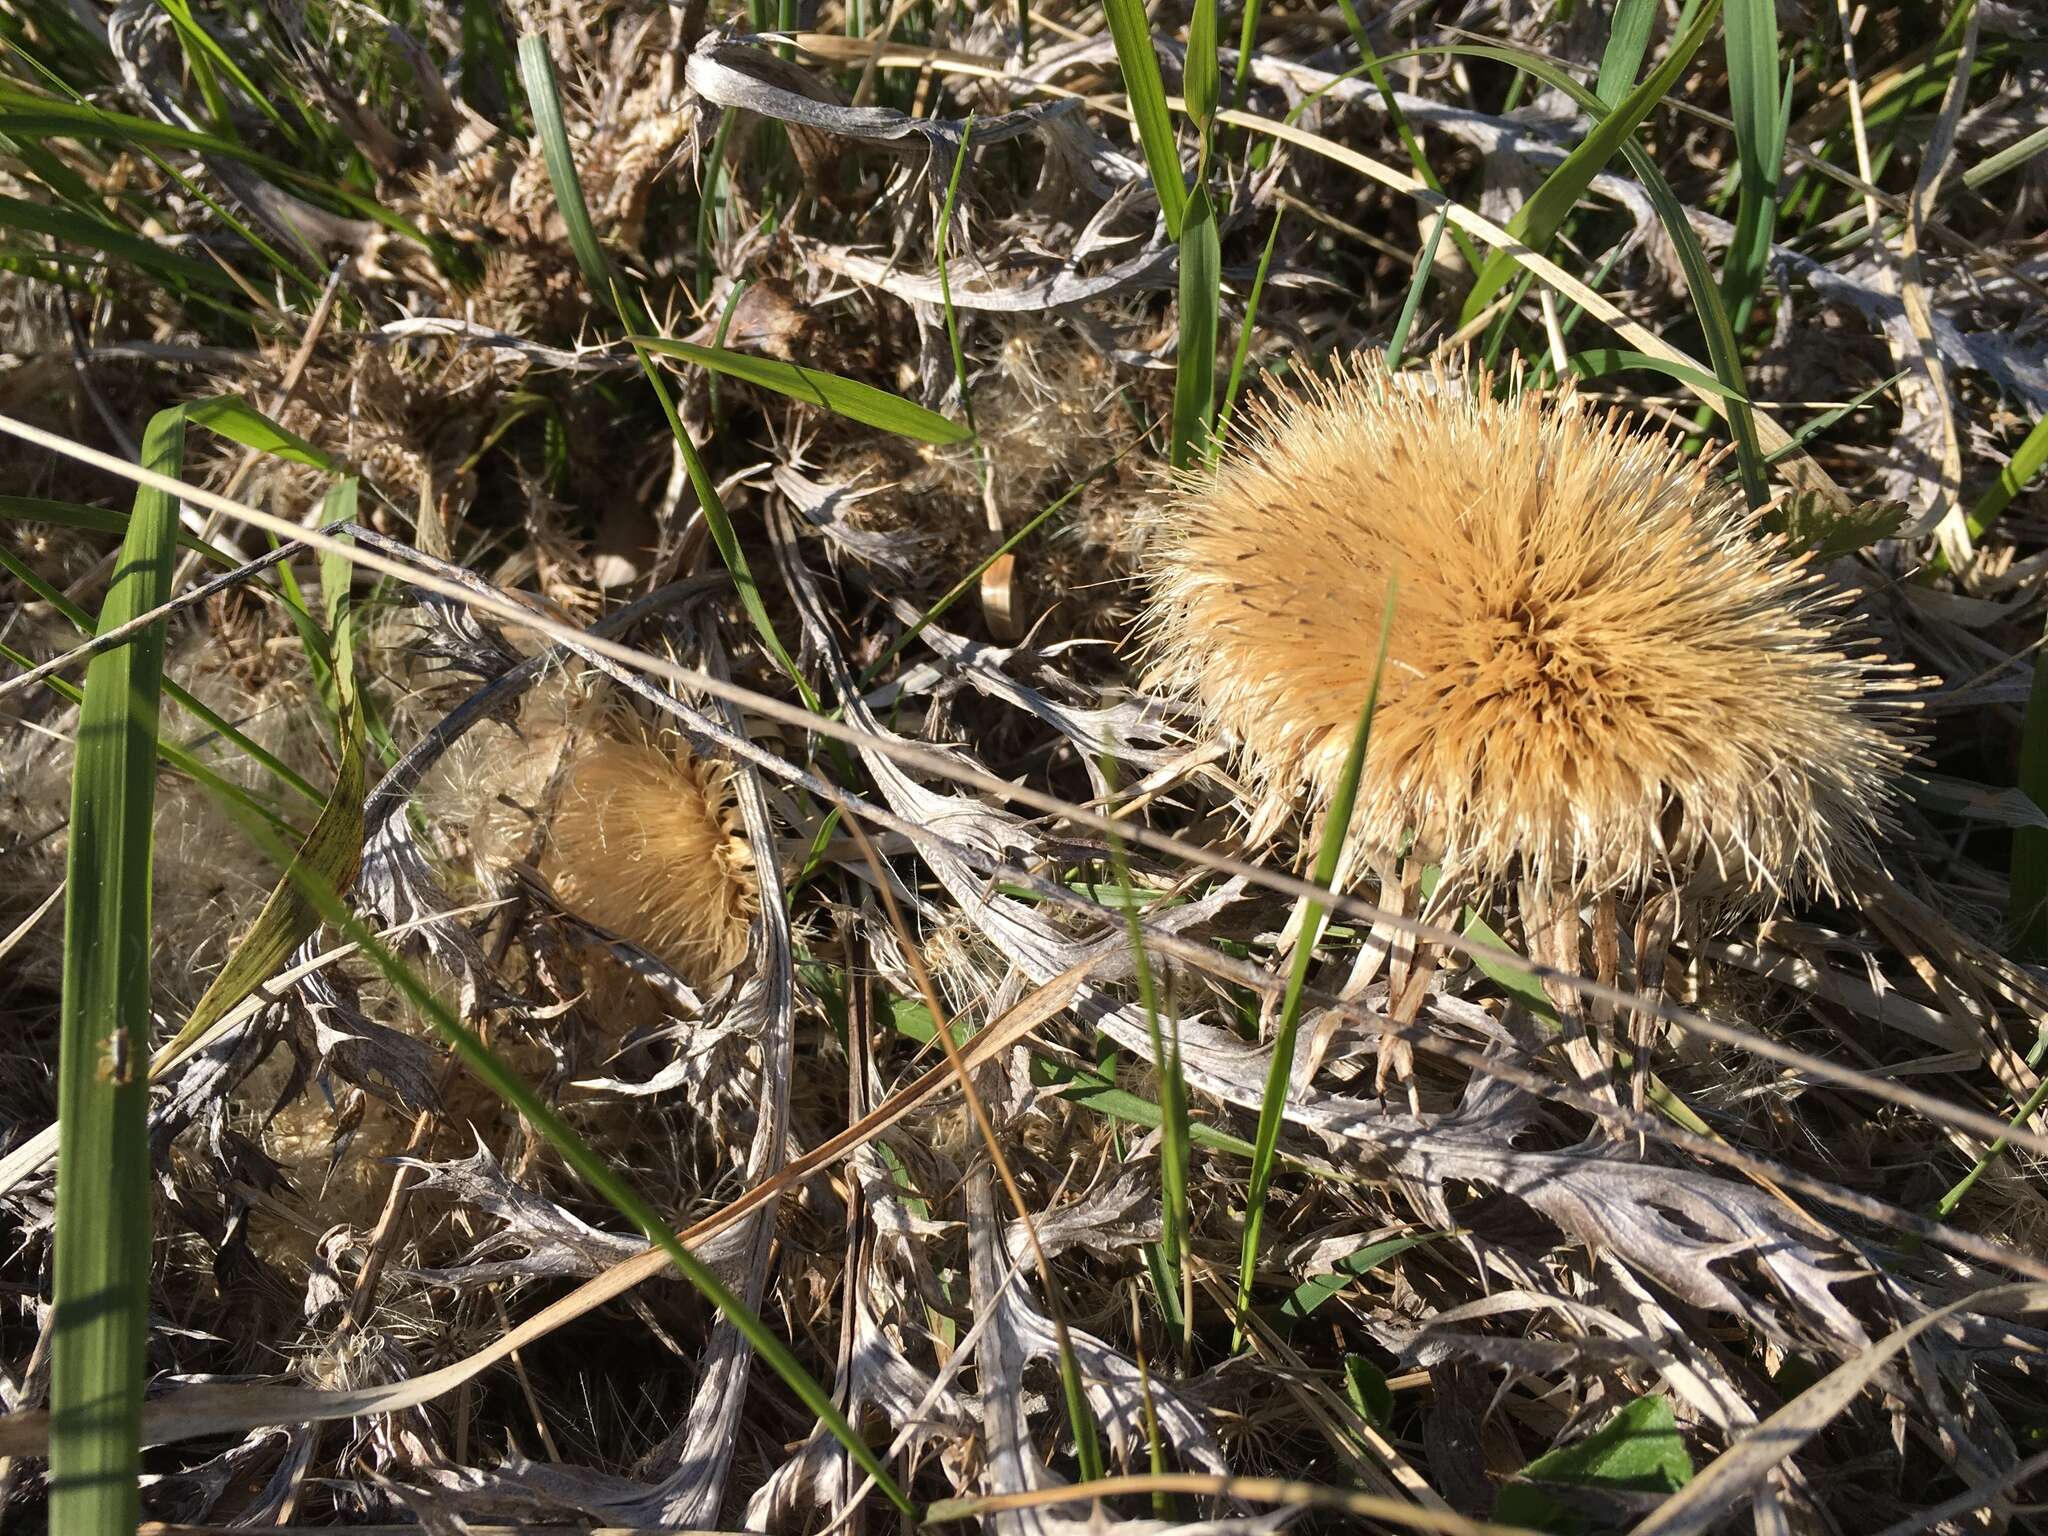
{"points": [[1596, 672], [645, 842]]}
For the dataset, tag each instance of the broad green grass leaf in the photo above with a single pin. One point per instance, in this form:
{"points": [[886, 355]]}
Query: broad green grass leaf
{"points": [[1594, 362], [1516, 982], [1628, 39], [1366, 1389], [101, 1285], [240, 422], [1538, 220], [332, 851], [70, 514], [1194, 379], [1097, 1092], [850, 398], [910, 1018], [537, 74], [1131, 30], [1639, 1450], [112, 240], [1753, 98]]}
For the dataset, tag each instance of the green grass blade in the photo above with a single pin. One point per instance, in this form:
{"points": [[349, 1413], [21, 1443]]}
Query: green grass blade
{"points": [[1201, 85], [1722, 351], [1595, 362], [1317, 1289], [1245, 332], [972, 578], [113, 240], [1131, 30], [240, 422], [850, 398], [509, 1086], [1991, 167], [1280, 1075], [1194, 378], [333, 850], [331, 854], [1398, 342], [1097, 1092], [70, 514], [537, 74], [2025, 463], [282, 771], [1628, 39], [724, 537], [1173, 1091], [173, 756], [1945, 1206], [203, 53], [101, 1286], [1247, 36], [1753, 93], [1376, 69], [1538, 220], [27, 115]]}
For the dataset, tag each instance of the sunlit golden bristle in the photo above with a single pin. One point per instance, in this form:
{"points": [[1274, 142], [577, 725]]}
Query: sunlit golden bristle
{"points": [[1597, 672], [644, 842]]}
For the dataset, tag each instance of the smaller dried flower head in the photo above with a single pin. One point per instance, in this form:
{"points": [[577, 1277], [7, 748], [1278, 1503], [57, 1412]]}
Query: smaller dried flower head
{"points": [[1596, 672], [644, 841]]}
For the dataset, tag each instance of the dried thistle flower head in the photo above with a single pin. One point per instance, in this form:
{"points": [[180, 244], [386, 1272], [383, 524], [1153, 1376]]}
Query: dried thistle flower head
{"points": [[1596, 673], [644, 841]]}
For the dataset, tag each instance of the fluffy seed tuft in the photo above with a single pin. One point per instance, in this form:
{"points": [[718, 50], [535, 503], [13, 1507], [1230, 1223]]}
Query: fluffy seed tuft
{"points": [[644, 842], [1597, 672]]}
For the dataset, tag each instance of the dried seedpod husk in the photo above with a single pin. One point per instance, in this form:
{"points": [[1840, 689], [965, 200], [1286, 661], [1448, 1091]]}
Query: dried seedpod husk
{"points": [[1599, 675]]}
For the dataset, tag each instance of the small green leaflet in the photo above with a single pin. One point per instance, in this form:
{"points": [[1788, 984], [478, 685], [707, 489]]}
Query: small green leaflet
{"points": [[1639, 1450]]}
